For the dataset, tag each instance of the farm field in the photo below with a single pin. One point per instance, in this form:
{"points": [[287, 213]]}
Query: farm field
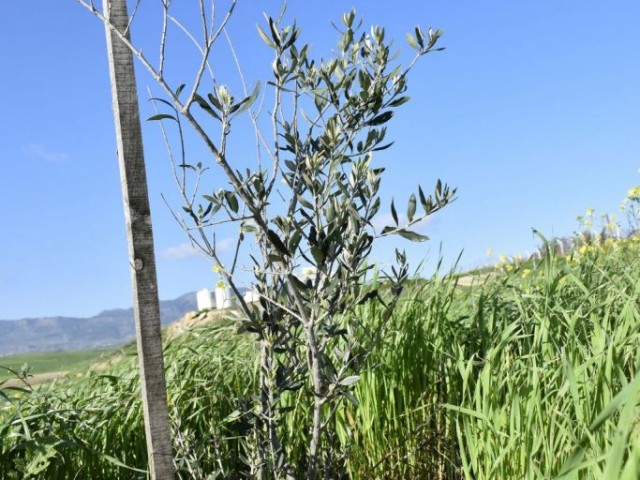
{"points": [[531, 373], [50, 362]]}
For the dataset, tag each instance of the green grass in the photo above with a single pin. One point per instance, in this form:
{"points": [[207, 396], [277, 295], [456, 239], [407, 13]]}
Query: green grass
{"points": [[529, 375], [48, 362]]}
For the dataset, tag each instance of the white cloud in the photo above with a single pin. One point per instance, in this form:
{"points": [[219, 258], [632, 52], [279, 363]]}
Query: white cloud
{"points": [[226, 244], [186, 250], [382, 220], [39, 152], [179, 252]]}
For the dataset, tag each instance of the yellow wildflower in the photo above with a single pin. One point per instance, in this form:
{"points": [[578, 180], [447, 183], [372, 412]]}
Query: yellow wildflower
{"points": [[216, 268], [634, 193]]}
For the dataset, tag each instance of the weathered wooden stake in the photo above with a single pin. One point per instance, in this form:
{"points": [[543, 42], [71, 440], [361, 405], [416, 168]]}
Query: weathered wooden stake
{"points": [[140, 238]]}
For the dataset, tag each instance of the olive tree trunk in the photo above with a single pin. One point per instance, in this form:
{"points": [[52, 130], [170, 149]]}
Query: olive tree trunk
{"points": [[140, 239]]}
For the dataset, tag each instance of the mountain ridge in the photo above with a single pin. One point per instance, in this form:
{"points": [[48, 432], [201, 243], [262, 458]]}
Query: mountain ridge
{"points": [[109, 328]]}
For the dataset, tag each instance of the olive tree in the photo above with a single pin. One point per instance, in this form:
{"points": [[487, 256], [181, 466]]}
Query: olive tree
{"points": [[311, 200]]}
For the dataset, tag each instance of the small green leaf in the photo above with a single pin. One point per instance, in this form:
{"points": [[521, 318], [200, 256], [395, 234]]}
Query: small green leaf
{"points": [[277, 243], [373, 294], [419, 37], [207, 211], [246, 102], [264, 37], [205, 106], [232, 417], [318, 254], [232, 201], [434, 36], [162, 116], [274, 32], [394, 214], [412, 236], [380, 119], [299, 284], [399, 101], [411, 208], [305, 203], [162, 100], [202, 102], [214, 101], [351, 398], [275, 258], [345, 382], [383, 147], [364, 80], [347, 18], [423, 199], [224, 95], [252, 98], [412, 41]]}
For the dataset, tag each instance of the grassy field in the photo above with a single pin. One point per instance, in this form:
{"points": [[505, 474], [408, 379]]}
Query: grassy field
{"points": [[529, 374], [49, 362]]}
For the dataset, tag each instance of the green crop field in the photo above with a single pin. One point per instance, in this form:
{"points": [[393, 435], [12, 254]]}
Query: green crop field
{"points": [[49, 362], [528, 373]]}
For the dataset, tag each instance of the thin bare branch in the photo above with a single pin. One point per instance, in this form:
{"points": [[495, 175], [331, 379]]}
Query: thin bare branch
{"points": [[206, 48], [236, 254], [163, 35], [179, 182], [131, 17], [220, 222], [261, 141], [135, 51], [224, 23], [195, 42]]}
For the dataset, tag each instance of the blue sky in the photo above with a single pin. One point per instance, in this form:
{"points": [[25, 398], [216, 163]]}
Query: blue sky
{"points": [[532, 111]]}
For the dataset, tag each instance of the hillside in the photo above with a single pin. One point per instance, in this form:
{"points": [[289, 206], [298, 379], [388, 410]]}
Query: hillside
{"points": [[108, 328]]}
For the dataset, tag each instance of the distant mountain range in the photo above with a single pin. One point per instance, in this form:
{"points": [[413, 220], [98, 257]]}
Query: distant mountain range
{"points": [[107, 329]]}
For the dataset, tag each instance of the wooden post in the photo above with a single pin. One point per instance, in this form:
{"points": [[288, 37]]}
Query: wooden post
{"points": [[140, 238]]}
